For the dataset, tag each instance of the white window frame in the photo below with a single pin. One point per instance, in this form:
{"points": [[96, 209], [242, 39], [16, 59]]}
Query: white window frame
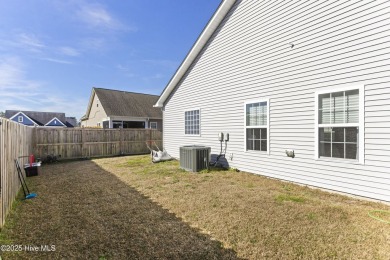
{"points": [[153, 123], [267, 126], [360, 125], [20, 119], [200, 122]]}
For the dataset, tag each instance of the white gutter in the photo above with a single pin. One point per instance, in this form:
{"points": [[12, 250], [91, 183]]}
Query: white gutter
{"points": [[213, 24]]}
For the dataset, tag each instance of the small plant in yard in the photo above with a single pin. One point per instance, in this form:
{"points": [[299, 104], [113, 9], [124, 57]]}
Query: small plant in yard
{"points": [[287, 197], [311, 216]]}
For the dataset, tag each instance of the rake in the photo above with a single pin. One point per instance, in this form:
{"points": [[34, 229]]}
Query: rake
{"points": [[26, 191]]}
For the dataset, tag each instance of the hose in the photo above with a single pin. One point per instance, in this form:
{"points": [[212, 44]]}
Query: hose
{"points": [[377, 218]]}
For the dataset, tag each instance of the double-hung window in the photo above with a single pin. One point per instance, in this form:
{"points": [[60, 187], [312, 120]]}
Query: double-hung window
{"points": [[257, 126], [192, 122], [153, 125], [340, 124]]}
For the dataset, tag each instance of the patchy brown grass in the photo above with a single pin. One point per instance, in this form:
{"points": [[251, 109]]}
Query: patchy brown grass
{"points": [[259, 217], [88, 213], [129, 208]]}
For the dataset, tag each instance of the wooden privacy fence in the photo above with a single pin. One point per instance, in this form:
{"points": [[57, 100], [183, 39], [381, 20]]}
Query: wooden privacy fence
{"points": [[72, 143], [15, 141]]}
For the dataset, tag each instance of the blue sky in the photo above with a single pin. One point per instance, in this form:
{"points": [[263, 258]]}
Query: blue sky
{"points": [[52, 52]]}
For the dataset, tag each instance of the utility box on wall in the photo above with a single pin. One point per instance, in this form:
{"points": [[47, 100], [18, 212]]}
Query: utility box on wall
{"points": [[194, 158]]}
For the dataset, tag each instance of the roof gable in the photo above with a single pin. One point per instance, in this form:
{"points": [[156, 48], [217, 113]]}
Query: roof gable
{"points": [[206, 34], [25, 119], [55, 122]]}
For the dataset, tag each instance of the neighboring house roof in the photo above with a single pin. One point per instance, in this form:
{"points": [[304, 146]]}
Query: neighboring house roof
{"points": [[55, 122], [29, 120], [40, 118], [122, 103], [208, 31], [71, 121]]}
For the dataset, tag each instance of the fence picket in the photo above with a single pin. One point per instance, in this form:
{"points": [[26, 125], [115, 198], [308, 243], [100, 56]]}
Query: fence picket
{"points": [[71, 143]]}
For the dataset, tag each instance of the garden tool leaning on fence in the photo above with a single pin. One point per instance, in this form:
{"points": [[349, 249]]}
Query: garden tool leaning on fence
{"points": [[26, 191], [157, 155]]}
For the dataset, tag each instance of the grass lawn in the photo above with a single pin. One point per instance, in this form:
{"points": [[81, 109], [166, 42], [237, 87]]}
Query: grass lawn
{"points": [[129, 208]]}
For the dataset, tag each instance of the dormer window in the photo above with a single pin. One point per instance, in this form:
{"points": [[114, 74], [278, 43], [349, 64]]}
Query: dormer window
{"points": [[20, 119]]}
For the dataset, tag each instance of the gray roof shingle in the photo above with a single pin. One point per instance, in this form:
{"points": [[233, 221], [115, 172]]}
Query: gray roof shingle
{"points": [[122, 103], [41, 118]]}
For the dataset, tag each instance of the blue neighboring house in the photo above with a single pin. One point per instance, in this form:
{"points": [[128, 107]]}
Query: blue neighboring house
{"points": [[34, 118]]}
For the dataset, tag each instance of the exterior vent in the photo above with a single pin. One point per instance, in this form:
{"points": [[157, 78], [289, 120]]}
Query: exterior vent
{"points": [[194, 158]]}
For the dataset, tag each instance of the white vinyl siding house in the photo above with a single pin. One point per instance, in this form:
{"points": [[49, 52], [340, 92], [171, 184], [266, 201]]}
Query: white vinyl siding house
{"points": [[313, 60]]}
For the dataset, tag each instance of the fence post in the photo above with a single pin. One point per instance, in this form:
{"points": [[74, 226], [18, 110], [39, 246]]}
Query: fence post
{"points": [[120, 141], [83, 154]]}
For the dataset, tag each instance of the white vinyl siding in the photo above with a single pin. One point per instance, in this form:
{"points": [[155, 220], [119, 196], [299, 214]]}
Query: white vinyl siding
{"points": [[336, 44]]}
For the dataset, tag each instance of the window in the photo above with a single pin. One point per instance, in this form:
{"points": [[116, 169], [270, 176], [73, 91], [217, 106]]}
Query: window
{"points": [[153, 125], [256, 126], [20, 119], [340, 124], [192, 122]]}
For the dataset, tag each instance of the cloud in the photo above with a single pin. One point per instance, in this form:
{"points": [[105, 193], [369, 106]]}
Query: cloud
{"points": [[17, 92], [93, 43], [30, 42], [57, 60], [12, 76], [125, 70], [68, 51], [96, 16], [26, 43]]}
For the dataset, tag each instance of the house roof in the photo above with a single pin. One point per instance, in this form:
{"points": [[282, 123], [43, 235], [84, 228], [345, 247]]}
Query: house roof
{"points": [[41, 118], [71, 121], [122, 103], [55, 119], [207, 32]]}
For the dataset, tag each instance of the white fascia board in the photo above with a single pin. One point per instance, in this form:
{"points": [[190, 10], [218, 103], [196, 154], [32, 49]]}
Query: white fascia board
{"points": [[219, 15], [93, 93], [55, 118]]}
